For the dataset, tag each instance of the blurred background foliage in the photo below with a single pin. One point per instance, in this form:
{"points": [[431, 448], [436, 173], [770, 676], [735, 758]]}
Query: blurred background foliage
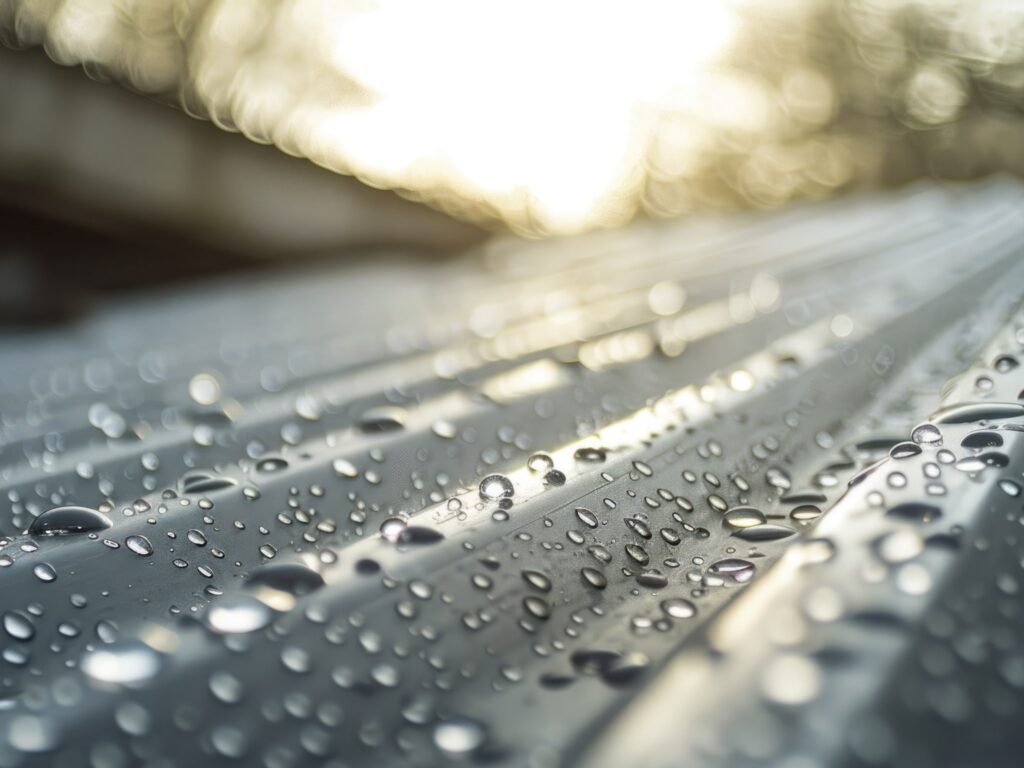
{"points": [[557, 117]]}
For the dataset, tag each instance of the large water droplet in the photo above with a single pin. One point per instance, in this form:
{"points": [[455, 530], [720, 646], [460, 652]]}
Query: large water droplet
{"points": [[30, 733], [293, 578], [45, 572], [679, 608], [764, 532], [537, 580], [124, 662], [744, 517], [458, 735], [926, 434], [540, 463], [736, 568], [18, 626], [67, 520], [382, 419], [140, 545], [236, 614], [201, 481], [594, 577], [495, 487], [591, 455]]}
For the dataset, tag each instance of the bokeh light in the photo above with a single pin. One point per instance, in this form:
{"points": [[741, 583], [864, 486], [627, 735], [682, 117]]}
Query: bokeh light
{"points": [[555, 117]]}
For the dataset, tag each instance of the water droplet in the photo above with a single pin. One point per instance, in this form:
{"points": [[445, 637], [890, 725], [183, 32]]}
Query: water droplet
{"points": [[68, 520], [140, 545], [970, 464], [419, 535], [495, 487], [744, 517], [229, 741], [201, 481], [204, 389], [196, 537], [594, 577], [777, 478], [652, 579], [914, 579], [537, 580], [293, 578], [392, 528], [791, 680], [590, 455], [764, 532], [637, 554], [382, 419], [45, 572], [812, 551], [537, 607], [982, 438], [639, 527], [554, 477], [271, 464], [679, 608], [124, 662], [225, 687], [297, 660], [643, 468], [458, 735], [926, 434], [737, 569], [904, 450], [444, 429], [237, 614], [344, 468], [18, 626], [1010, 487], [897, 480], [540, 463], [32, 734], [900, 546], [805, 512], [924, 513], [968, 412], [623, 669]]}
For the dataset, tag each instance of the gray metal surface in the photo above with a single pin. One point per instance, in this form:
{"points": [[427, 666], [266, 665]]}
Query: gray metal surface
{"points": [[581, 502]]}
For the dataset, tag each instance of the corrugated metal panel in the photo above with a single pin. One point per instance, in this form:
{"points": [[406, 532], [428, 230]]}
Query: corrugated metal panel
{"points": [[501, 510]]}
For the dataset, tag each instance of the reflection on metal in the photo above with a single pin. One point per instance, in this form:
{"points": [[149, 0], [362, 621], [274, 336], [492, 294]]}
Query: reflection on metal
{"points": [[524, 381], [321, 547]]}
